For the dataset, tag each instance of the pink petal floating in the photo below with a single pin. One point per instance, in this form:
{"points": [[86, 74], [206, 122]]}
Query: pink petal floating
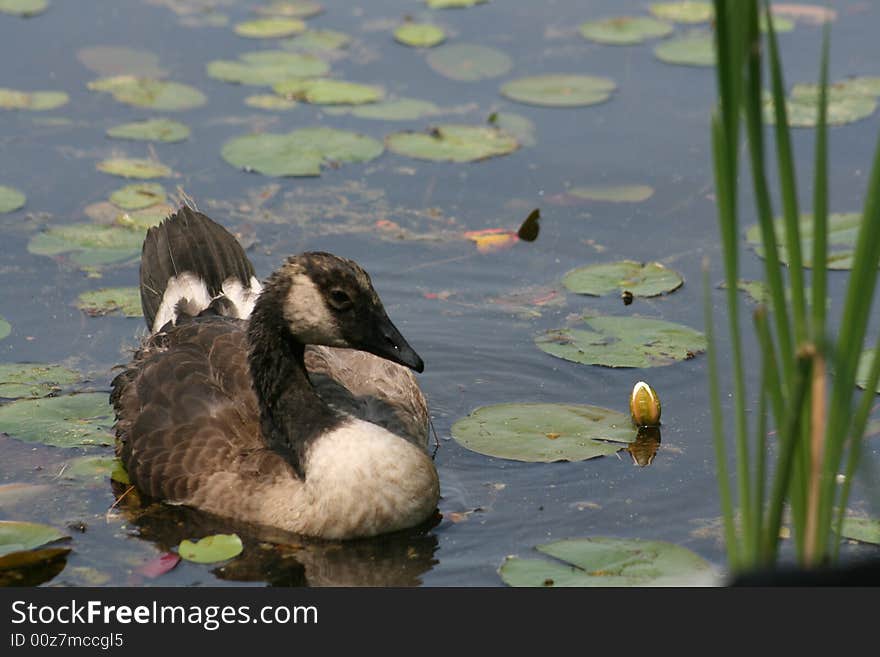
{"points": [[160, 565]]}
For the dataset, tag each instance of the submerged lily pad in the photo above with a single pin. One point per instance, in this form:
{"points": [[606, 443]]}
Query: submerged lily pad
{"points": [[120, 60], [847, 103], [640, 279], [684, 11], [419, 35], [68, 421], [151, 130], [140, 195], [90, 467], [326, 91], [11, 199], [270, 102], [125, 300], [453, 143], [37, 101], [90, 244], [605, 561], [267, 67], [401, 109], [469, 62], [544, 433], [5, 328], [23, 8], [625, 30], [270, 28], [695, 49], [150, 93], [515, 124], [624, 342], [843, 230], [318, 41], [33, 379], [299, 153], [211, 549], [864, 530], [453, 4], [134, 168], [292, 8], [865, 361], [614, 193], [559, 90], [16, 536]]}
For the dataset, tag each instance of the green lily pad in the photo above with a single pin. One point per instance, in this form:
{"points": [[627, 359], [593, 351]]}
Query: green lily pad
{"points": [[326, 91], [614, 193], [642, 280], [453, 143], [469, 62], [685, 11], [120, 60], [780, 24], [625, 30], [211, 549], [23, 8], [847, 103], [453, 4], [150, 93], [267, 67], [299, 153], [5, 328], [270, 28], [624, 342], [134, 168], [318, 41], [164, 130], [757, 291], [33, 380], [419, 35], [865, 361], [125, 300], [843, 230], [559, 90], [402, 109], [138, 221], [515, 124], [694, 49], [68, 421], [137, 196], [90, 467], [864, 530], [291, 8], [37, 101], [11, 199], [605, 561], [270, 102], [18, 536], [544, 433], [89, 244]]}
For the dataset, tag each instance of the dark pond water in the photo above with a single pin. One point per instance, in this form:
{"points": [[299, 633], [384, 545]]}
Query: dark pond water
{"points": [[438, 288]]}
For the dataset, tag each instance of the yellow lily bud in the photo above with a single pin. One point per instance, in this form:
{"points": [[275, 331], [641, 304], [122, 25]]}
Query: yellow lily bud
{"points": [[644, 404]]}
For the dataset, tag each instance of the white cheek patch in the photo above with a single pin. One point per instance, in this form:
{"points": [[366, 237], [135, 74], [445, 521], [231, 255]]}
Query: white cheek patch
{"points": [[307, 313], [242, 298], [187, 286]]}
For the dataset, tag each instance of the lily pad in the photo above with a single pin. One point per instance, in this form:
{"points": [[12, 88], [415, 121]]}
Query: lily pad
{"points": [[326, 91], [864, 530], [695, 49], [624, 342], [544, 433], [89, 467], [625, 30], [640, 279], [23, 8], [134, 168], [453, 143], [453, 4], [33, 379], [318, 41], [292, 8], [267, 67], [164, 130], [401, 109], [843, 230], [150, 93], [270, 102], [419, 35], [559, 90], [120, 60], [684, 11], [299, 153], [469, 62], [5, 328], [16, 536], [68, 421], [140, 195], [515, 124], [11, 199], [89, 244], [847, 103], [125, 300], [37, 101], [211, 549], [270, 28], [614, 193], [605, 561], [864, 369]]}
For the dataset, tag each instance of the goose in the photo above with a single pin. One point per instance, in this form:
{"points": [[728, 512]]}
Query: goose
{"points": [[286, 404]]}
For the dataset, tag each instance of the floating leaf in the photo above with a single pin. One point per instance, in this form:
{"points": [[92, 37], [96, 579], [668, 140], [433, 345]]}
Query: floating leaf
{"points": [[292, 8], [270, 102], [453, 4], [211, 549], [119, 60], [814, 14], [90, 467], [402, 109], [515, 124], [270, 28], [685, 11], [23, 8], [126, 300], [68, 421], [559, 90], [453, 143], [140, 195], [842, 232], [11, 199], [757, 291], [134, 168], [267, 67], [11, 495], [864, 530], [694, 49], [640, 279], [299, 153], [318, 41], [419, 35], [16, 536], [5, 328], [326, 91], [780, 24], [91, 244], [151, 130], [848, 102], [150, 93], [624, 342], [613, 193], [32, 100], [605, 561], [468, 62], [139, 221], [864, 370], [490, 240], [625, 30], [544, 433], [33, 379]]}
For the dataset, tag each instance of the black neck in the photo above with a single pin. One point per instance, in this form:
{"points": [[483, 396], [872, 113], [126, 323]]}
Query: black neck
{"points": [[292, 415]]}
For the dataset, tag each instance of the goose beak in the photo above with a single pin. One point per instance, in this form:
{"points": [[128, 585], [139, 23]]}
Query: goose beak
{"points": [[390, 344]]}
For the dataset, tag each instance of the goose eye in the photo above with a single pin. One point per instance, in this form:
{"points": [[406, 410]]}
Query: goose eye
{"points": [[340, 300]]}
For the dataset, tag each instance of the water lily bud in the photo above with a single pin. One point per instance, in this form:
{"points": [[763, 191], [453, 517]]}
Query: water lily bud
{"points": [[644, 404]]}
